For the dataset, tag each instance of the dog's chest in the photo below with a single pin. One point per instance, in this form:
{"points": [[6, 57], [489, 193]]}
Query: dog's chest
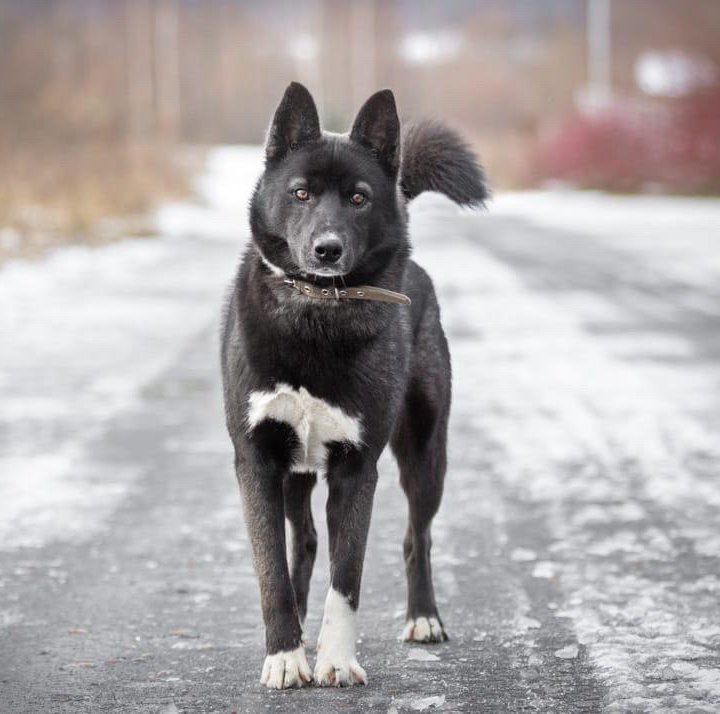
{"points": [[315, 422]]}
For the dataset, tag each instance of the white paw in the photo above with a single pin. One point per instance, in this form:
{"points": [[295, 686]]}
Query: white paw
{"points": [[423, 629], [336, 664], [285, 670], [339, 672]]}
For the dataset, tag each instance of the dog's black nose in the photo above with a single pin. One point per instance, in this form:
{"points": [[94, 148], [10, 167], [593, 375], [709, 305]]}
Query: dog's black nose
{"points": [[328, 249]]}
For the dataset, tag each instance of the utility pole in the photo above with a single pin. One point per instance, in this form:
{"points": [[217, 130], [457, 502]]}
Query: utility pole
{"points": [[167, 69], [363, 50], [139, 69], [308, 49], [598, 91]]}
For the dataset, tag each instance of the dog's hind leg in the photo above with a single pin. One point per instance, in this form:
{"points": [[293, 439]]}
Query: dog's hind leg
{"points": [[297, 490], [419, 444]]}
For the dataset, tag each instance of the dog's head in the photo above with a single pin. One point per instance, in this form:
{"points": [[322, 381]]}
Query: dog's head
{"points": [[328, 205]]}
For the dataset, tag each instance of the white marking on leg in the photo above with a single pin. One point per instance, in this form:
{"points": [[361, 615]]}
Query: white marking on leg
{"points": [[336, 664], [314, 421], [286, 670]]}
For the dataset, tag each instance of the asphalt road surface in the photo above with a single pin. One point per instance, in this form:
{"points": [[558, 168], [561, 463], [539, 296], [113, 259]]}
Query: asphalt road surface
{"points": [[577, 552]]}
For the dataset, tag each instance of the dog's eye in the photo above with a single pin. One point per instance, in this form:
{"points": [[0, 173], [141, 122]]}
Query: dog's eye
{"points": [[302, 194], [357, 199]]}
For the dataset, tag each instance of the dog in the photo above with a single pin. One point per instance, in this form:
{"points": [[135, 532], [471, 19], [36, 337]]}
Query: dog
{"points": [[332, 348]]}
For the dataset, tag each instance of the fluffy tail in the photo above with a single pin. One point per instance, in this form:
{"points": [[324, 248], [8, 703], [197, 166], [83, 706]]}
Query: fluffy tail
{"points": [[435, 158]]}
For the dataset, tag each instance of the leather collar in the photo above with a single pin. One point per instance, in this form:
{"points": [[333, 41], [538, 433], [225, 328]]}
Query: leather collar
{"points": [[361, 292]]}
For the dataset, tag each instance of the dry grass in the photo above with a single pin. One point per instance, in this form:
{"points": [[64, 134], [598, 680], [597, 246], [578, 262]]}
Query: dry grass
{"points": [[96, 193], [84, 194]]}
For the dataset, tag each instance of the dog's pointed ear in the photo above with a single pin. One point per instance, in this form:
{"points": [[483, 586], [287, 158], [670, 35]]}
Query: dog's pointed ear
{"points": [[377, 128], [295, 123]]}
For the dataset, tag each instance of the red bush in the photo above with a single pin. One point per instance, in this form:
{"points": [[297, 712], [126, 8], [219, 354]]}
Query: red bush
{"points": [[675, 146]]}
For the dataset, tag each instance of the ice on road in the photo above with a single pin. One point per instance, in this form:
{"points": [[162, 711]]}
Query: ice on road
{"points": [[84, 330], [577, 552]]}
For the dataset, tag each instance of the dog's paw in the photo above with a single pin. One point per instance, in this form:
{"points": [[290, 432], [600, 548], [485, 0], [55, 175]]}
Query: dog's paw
{"points": [[336, 664], [339, 672], [286, 670], [424, 629]]}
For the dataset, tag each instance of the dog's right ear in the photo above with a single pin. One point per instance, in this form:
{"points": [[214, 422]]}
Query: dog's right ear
{"points": [[377, 128], [295, 123]]}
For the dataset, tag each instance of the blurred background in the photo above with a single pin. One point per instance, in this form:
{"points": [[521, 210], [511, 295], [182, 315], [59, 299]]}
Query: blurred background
{"points": [[576, 554], [105, 105]]}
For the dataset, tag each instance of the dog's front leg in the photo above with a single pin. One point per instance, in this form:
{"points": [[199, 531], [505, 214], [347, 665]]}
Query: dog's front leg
{"points": [[351, 490], [262, 493]]}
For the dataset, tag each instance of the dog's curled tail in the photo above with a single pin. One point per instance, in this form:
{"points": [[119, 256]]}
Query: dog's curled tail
{"points": [[435, 158]]}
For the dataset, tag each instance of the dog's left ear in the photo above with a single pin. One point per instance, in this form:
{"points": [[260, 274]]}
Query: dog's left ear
{"points": [[377, 128], [295, 123]]}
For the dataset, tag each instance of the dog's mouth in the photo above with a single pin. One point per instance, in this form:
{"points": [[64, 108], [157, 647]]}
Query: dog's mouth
{"points": [[324, 279], [324, 272], [312, 271]]}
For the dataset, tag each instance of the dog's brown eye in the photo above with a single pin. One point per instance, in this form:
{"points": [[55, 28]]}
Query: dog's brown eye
{"points": [[302, 194], [357, 199]]}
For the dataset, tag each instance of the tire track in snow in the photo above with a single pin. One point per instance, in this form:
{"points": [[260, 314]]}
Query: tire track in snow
{"points": [[83, 330], [615, 456]]}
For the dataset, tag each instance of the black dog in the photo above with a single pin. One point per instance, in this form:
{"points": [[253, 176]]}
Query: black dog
{"points": [[332, 347]]}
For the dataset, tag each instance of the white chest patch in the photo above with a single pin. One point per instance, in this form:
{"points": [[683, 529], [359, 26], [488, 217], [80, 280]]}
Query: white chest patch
{"points": [[315, 422]]}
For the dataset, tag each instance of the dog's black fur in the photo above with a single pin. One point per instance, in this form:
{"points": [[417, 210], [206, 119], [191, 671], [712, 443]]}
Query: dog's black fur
{"points": [[386, 365]]}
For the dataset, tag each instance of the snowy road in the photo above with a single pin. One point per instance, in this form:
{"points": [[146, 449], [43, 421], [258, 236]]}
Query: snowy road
{"points": [[577, 553]]}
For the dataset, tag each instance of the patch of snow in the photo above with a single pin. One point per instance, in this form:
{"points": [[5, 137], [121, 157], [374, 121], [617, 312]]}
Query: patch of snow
{"points": [[612, 433], [528, 623], [421, 655], [671, 237], [420, 705], [224, 190], [569, 652], [523, 555], [83, 330], [544, 569], [10, 617], [417, 704]]}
